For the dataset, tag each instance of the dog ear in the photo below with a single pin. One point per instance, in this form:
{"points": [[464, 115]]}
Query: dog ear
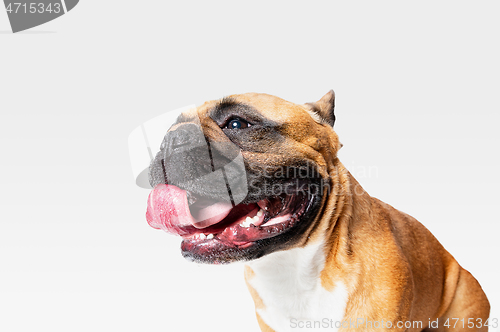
{"points": [[324, 108]]}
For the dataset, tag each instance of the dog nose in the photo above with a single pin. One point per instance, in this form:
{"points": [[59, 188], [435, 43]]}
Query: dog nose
{"points": [[183, 138], [179, 138]]}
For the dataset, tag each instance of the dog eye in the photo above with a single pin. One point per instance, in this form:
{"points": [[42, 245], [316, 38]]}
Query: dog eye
{"points": [[237, 123]]}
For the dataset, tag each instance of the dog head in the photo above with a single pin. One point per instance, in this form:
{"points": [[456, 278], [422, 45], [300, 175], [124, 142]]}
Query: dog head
{"points": [[244, 176]]}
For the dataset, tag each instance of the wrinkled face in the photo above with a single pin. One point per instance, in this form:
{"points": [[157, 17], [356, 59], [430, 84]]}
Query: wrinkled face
{"points": [[244, 176]]}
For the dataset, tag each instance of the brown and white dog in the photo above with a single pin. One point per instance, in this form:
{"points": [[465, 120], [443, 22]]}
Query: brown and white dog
{"points": [[322, 253]]}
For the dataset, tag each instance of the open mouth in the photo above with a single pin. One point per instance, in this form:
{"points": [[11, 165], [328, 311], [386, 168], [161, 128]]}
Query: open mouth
{"points": [[207, 225]]}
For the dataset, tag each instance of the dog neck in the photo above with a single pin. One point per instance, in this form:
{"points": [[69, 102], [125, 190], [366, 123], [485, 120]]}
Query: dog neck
{"points": [[299, 267], [289, 286], [286, 287]]}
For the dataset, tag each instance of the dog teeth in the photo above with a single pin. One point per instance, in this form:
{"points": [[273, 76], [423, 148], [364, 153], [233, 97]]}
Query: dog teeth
{"points": [[251, 221], [202, 236], [247, 222], [210, 236]]}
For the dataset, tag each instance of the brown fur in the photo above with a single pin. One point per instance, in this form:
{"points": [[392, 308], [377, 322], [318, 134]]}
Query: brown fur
{"points": [[393, 267]]}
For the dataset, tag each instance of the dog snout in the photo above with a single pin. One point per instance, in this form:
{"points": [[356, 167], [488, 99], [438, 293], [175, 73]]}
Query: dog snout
{"points": [[183, 138]]}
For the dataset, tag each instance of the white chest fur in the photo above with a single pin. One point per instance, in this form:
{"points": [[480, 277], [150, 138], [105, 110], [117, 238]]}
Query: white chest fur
{"points": [[289, 284]]}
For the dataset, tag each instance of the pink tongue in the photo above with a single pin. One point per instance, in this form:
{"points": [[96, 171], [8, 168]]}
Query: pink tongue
{"points": [[168, 209], [212, 214]]}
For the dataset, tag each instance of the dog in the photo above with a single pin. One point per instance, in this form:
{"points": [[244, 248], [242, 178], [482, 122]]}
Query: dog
{"points": [[255, 178]]}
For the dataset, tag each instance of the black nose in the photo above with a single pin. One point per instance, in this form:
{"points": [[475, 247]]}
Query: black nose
{"points": [[180, 137], [185, 137], [184, 154]]}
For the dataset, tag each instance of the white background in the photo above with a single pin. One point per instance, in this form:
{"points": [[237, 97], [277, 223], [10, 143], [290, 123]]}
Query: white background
{"points": [[417, 111]]}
